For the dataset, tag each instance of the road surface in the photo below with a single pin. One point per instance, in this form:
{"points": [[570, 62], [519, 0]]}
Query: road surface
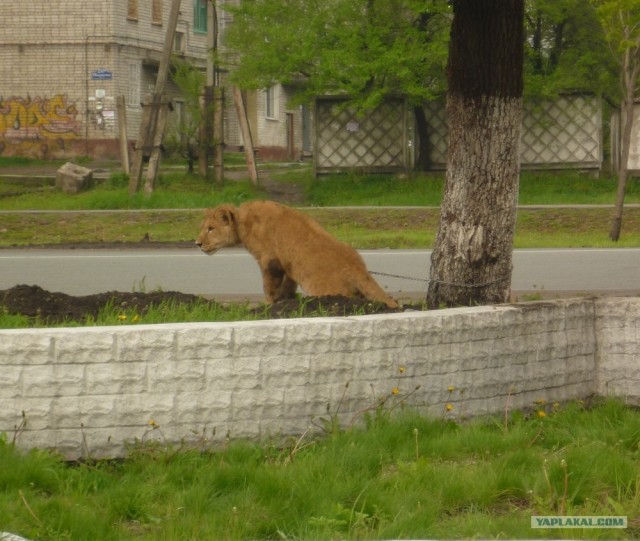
{"points": [[233, 272]]}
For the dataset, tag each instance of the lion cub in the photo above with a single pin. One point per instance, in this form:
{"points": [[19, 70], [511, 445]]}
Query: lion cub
{"points": [[290, 249]]}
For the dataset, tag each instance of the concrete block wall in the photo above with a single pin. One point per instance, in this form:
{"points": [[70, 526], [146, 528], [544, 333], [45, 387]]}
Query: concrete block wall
{"points": [[92, 390], [618, 339]]}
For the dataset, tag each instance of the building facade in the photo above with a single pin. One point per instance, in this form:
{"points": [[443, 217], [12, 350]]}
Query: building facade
{"points": [[63, 64]]}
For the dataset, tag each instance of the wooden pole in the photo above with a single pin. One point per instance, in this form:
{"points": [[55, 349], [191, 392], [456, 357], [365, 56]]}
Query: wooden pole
{"points": [[165, 61], [122, 134], [151, 109], [218, 134], [204, 133], [142, 144], [154, 160], [246, 135]]}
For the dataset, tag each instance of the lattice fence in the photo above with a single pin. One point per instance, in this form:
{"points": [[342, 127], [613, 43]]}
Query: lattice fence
{"points": [[565, 133], [375, 142], [561, 134], [633, 164]]}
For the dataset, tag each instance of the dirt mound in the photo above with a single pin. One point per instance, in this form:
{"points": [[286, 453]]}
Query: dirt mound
{"points": [[329, 306], [49, 307], [33, 301]]}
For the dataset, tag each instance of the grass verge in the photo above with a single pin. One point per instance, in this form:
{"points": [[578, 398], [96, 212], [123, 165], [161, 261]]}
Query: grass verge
{"points": [[45, 310], [362, 228], [399, 476], [163, 312], [536, 188]]}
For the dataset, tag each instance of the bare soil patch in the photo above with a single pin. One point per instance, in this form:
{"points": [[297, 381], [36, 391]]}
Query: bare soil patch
{"points": [[54, 307], [329, 306]]}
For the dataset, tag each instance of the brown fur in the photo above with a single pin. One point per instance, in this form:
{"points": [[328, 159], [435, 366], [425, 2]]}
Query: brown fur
{"points": [[290, 249]]}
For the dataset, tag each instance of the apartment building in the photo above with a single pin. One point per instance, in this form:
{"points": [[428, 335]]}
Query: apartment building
{"points": [[63, 63]]}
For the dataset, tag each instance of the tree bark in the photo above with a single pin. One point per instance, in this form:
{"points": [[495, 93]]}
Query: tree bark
{"points": [[630, 69], [626, 119], [472, 257], [422, 161]]}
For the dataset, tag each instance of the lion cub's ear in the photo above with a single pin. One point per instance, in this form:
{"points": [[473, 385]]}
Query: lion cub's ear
{"points": [[226, 214]]}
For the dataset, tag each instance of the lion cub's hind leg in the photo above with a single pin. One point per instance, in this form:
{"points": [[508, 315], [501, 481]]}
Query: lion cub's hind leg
{"points": [[287, 289], [276, 283]]}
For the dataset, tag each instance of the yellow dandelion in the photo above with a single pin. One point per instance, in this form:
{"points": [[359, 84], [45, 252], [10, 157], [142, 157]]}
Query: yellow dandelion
{"points": [[449, 407], [541, 414], [451, 388], [395, 390], [152, 423], [402, 369], [122, 317]]}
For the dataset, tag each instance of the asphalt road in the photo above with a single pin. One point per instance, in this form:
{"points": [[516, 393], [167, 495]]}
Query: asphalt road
{"points": [[233, 273]]}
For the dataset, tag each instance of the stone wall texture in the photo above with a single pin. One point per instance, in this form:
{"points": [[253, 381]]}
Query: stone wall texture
{"points": [[94, 390]]}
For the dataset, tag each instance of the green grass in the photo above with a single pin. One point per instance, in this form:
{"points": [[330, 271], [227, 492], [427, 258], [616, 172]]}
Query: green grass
{"points": [[177, 189], [573, 188], [174, 190], [375, 190], [21, 161], [362, 228], [172, 311], [536, 188], [165, 312], [402, 476]]}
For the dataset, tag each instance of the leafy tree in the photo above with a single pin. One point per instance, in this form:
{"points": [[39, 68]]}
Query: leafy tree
{"points": [[565, 49], [620, 20], [472, 259], [372, 48], [367, 49]]}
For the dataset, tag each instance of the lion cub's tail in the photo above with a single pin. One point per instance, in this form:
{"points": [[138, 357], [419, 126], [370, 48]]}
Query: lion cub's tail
{"points": [[370, 289]]}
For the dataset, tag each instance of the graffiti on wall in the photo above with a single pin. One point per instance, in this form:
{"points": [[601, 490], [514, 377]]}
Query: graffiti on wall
{"points": [[37, 126]]}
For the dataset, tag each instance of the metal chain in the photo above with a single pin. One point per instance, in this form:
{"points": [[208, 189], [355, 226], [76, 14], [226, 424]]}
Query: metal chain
{"points": [[398, 276], [470, 286]]}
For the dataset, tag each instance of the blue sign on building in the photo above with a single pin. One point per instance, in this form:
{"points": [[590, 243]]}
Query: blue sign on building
{"points": [[102, 75]]}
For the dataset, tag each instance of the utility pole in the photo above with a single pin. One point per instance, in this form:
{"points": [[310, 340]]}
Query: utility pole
{"points": [[154, 114]]}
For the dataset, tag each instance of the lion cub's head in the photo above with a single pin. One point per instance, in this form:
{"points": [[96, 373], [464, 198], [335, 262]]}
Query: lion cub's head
{"points": [[219, 229]]}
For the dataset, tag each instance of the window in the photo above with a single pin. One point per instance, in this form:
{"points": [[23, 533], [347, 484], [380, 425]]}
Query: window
{"points": [[200, 15], [271, 102], [156, 12], [132, 10]]}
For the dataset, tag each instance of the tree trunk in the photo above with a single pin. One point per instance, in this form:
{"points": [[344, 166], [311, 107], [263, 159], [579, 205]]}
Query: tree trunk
{"points": [[626, 119], [422, 161], [629, 76], [472, 257]]}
